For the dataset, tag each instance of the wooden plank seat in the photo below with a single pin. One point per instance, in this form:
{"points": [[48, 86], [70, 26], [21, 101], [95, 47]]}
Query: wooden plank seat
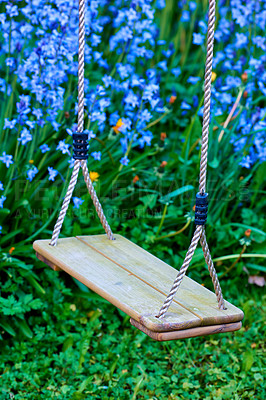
{"points": [[137, 283]]}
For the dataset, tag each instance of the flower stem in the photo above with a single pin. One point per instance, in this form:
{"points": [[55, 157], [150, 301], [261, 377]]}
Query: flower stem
{"points": [[175, 233], [162, 220], [235, 262]]}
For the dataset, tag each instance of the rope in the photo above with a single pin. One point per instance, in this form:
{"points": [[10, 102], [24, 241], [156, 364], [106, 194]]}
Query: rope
{"points": [[81, 52], [80, 163], [207, 97], [212, 271], [182, 272], [65, 204], [199, 233], [95, 201]]}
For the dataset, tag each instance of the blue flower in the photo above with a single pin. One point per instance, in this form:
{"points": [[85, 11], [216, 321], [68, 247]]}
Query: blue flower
{"points": [[239, 17], [37, 112], [185, 17], [259, 41], [63, 147], [25, 136], [91, 135], [163, 65], [77, 202], [246, 162], [193, 79], [6, 159], [10, 62], [124, 160], [145, 139], [192, 5], [203, 27], [198, 39], [231, 82], [185, 106], [31, 124], [149, 91], [241, 40], [2, 199], [1, 229], [12, 10], [1, 186], [44, 148], [96, 155], [31, 173], [160, 4], [95, 40], [52, 173], [107, 80], [176, 71], [23, 105], [131, 99], [262, 88], [10, 124]]}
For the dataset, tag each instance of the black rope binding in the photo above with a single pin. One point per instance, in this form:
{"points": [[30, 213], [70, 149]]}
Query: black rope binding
{"points": [[201, 208], [80, 146]]}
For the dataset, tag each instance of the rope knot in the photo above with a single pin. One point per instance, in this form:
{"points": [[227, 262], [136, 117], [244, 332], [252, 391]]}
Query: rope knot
{"points": [[201, 209]]}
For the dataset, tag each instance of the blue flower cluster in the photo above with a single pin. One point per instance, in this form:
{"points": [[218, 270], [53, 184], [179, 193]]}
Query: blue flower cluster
{"points": [[40, 47], [127, 64], [242, 63]]}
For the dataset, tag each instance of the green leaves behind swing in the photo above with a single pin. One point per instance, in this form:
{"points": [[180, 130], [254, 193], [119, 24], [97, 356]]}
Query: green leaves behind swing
{"points": [[150, 200], [14, 308], [166, 199]]}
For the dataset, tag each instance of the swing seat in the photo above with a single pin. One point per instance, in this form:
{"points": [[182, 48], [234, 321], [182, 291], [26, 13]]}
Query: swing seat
{"points": [[137, 283]]}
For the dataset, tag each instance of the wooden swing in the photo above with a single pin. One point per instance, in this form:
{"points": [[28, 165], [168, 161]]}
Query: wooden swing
{"points": [[122, 272]]}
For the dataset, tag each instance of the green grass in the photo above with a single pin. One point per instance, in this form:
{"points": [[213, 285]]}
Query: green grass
{"points": [[83, 348]]}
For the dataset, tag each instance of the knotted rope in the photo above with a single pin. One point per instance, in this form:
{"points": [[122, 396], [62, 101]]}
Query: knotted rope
{"points": [[199, 234], [80, 162]]}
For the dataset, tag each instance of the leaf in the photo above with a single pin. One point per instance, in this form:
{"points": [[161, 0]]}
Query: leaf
{"points": [[35, 284], [244, 226], [256, 267], [84, 384], [4, 211], [76, 229], [10, 306], [81, 286], [7, 328], [214, 163], [248, 360], [176, 192], [68, 343], [25, 329], [149, 200], [10, 235]]}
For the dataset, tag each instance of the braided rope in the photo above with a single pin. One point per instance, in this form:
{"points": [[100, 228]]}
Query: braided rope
{"points": [[81, 52], [80, 128], [200, 230], [207, 97], [182, 271], [212, 271], [65, 204], [95, 201]]}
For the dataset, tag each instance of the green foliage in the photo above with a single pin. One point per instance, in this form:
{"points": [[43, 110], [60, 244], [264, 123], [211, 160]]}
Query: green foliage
{"points": [[83, 348]]}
